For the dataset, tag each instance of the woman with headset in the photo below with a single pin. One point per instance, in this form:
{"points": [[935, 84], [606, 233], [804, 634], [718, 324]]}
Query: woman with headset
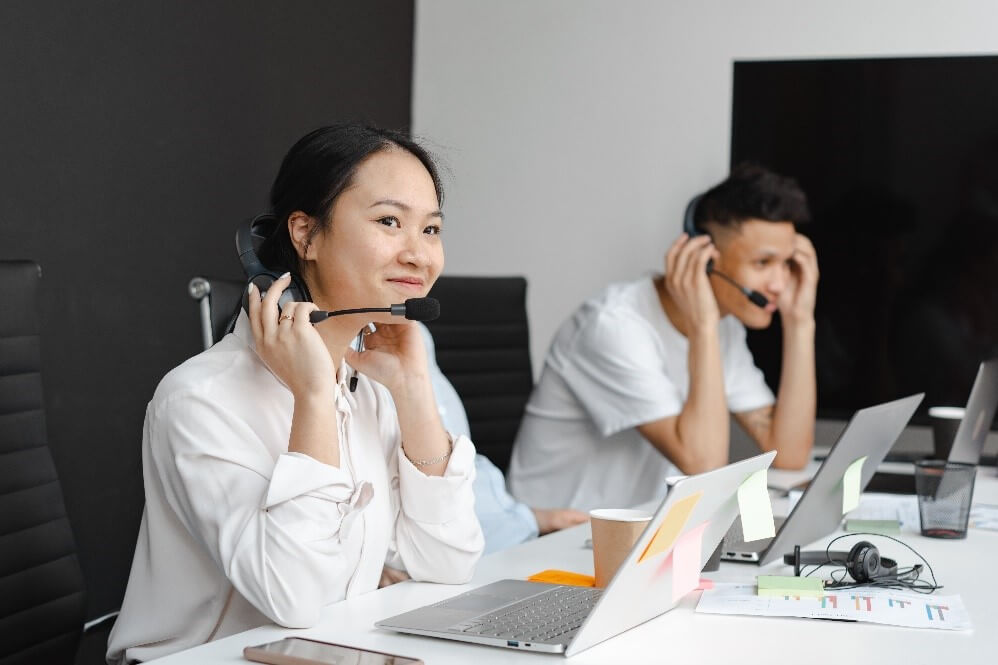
{"points": [[272, 489]]}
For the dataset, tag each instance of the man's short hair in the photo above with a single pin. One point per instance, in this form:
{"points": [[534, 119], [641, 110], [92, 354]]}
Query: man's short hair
{"points": [[752, 192]]}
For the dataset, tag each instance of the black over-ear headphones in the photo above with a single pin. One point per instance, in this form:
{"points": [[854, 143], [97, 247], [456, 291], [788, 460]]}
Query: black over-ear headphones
{"points": [[249, 237], [863, 562], [689, 223], [691, 230]]}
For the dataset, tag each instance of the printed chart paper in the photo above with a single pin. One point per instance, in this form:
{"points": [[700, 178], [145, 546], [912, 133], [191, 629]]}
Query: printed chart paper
{"points": [[983, 516], [896, 608]]}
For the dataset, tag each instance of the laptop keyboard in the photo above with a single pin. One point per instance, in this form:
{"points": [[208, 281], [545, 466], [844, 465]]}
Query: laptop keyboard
{"points": [[553, 615]]}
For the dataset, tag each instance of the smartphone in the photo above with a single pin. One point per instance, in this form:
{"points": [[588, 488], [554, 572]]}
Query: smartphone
{"points": [[299, 651]]}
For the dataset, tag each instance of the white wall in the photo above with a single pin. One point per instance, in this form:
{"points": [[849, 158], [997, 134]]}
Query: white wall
{"points": [[575, 131]]}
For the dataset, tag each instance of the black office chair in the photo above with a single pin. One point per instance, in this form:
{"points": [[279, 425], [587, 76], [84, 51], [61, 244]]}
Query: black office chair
{"points": [[42, 592], [483, 348], [218, 300], [482, 341]]}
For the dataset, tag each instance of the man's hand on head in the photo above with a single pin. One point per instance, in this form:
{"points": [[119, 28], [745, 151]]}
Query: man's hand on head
{"points": [[796, 302], [688, 284]]}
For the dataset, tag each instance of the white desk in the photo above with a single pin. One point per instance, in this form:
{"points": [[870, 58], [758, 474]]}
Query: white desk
{"points": [[965, 567]]}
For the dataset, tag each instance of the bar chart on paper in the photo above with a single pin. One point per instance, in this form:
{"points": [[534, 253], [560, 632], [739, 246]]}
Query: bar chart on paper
{"points": [[897, 608]]}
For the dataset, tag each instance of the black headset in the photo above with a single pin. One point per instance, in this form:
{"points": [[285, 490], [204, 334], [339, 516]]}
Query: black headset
{"points": [[863, 562], [689, 217], [691, 230], [249, 237], [865, 565]]}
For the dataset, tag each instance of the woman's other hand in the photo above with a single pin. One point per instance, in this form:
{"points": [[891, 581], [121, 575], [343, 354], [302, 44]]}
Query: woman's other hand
{"points": [[394, 356]]}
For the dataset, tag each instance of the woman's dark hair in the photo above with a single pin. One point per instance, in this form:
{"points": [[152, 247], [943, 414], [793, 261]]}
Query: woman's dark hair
{"points": [[316, 170], [752, 192]]}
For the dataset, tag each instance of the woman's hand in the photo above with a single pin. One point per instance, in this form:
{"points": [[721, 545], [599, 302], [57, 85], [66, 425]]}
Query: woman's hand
{"points": [[394, 356], [687, 282], [289, 344]]}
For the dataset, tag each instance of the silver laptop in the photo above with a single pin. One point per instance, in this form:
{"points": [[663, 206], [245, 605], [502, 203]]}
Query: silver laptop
{"points": [[871, 432], [980, 412], [557, 618], [970, 437]]}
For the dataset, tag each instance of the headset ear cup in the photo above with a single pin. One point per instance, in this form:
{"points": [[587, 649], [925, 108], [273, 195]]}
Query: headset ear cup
{"points": [[857, 563], [689, 217], [871, 564], [294, 293], [262, 281]]}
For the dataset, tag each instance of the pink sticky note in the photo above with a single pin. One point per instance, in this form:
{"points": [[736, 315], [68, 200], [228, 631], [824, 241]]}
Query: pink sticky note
{"points": [[705, 584], [686, 563]]}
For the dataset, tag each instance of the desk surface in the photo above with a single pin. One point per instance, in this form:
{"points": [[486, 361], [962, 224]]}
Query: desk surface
{"points": [[964, 567]]}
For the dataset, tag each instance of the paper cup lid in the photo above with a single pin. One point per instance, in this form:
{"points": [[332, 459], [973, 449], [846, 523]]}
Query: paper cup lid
{"points": [[620, 514], [954, 412]]}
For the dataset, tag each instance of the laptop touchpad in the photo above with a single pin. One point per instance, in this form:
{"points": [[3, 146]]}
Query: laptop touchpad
{"points": [[475, 602]]}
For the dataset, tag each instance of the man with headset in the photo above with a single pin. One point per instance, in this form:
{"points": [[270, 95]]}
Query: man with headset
{"points": [[639, 381]]}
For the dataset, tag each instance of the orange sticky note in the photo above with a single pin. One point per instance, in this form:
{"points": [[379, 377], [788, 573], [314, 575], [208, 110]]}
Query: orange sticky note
{"points": [[562, 577], [670, 527], [686, 562]]}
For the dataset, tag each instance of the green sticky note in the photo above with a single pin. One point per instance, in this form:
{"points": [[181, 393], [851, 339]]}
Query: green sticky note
{"points": [[883, 527], [850, 485], [780, 585], [755, 508]]}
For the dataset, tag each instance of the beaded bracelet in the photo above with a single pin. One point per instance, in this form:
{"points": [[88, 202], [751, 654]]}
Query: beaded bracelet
{"points": [[434, 460]]}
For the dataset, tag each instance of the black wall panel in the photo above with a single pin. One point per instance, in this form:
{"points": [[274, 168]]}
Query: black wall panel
{"points": [[134, 136]]}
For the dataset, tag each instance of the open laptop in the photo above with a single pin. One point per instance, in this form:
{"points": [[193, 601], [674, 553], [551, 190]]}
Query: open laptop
{"points": [[556, 618], [871, 432], [970, 437], [980, 412]]}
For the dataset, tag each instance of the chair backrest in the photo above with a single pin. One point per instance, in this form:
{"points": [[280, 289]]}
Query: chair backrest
{"points": [[482, 341], [42, 593], [483, 348], [219, 300]]}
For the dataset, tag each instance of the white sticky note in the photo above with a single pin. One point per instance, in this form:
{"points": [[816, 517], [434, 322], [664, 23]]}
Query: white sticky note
{"points": [[850, 485], [755, 508]]}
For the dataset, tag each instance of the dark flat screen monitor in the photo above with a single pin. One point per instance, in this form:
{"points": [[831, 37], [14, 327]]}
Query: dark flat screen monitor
{"points": [[899, 160]]}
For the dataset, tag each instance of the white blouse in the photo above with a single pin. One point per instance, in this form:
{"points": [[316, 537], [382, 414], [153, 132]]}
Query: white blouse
{"points": [[237, 532]]}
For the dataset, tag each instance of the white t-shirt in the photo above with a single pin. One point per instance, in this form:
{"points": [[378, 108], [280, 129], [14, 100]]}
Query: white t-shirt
{"points": [[616, 363]]}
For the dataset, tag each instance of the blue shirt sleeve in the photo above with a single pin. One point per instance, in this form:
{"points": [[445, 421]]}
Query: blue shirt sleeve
{"points": [[505, 521]]}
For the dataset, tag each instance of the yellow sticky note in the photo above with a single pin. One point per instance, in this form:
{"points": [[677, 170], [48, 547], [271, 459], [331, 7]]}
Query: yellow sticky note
{"points": [[670, 527], [781, 585], [686, 563], [563, 577], [850, 485], [755, 508]]}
